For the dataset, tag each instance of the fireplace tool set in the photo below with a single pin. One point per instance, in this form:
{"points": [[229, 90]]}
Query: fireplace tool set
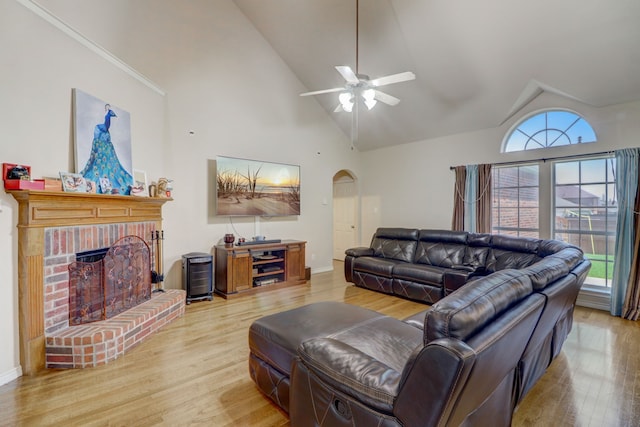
{"points": [[157, 277]]}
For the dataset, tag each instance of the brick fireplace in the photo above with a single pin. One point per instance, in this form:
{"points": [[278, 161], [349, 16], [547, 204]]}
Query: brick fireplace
{"points": [[60, 249], [52, 228]]}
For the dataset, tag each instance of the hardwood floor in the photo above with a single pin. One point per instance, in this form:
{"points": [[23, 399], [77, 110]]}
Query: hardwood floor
{"points": [[194, 371]]}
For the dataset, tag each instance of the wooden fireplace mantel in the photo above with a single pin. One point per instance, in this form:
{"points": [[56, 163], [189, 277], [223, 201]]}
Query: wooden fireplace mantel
{"points": [[56, 209], [38, 210]]}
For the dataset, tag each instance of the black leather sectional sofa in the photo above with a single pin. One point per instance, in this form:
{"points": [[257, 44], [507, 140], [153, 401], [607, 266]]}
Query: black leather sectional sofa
{"points": [[467, 360], [426, 265]]}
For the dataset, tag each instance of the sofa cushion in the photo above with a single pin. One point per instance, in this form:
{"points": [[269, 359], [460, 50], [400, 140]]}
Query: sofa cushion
{"points": [[546, 271], [440, 254], [377, 266], [478, 246], [395, 243], [501, 260], [478, 240], [550, 247], [466, 311], [515, 244], [365, 361], [420, 273], [446, 236], [512, 252], [572, 256], [441, 248]]}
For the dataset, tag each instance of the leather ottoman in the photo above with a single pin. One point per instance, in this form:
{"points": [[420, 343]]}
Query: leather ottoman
{"points": [[274, 339]]}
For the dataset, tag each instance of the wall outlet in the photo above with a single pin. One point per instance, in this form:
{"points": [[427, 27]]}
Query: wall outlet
{"points": [[313, 257]]}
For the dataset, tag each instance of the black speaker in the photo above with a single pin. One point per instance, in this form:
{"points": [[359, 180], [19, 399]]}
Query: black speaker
{"points": [[197, 276]]}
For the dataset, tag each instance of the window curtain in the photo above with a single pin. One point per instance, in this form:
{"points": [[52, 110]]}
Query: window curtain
{"points": [[472, 199], [622, 283], [457, 223], [483, 217], [631, 308]]}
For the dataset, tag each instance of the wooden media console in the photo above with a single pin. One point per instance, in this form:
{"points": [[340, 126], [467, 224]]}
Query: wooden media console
{"points": [[252, 268]]}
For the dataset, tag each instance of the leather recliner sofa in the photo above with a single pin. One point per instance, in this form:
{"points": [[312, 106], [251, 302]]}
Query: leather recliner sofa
{"points": [[467, 360], [426, 265]]}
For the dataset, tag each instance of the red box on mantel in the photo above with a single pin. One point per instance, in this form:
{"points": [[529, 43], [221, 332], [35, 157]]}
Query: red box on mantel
{"points": [[20, 184]]}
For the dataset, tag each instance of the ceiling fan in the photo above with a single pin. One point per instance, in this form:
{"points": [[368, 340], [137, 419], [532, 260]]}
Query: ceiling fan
{"points": [[360, 85]]}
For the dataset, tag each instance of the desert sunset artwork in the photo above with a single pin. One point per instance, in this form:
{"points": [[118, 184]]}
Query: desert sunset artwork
{"points": [[256, 188]]}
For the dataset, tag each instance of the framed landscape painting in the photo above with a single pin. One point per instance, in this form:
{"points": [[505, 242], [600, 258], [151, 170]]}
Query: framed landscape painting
{"points": [[256, 188]]}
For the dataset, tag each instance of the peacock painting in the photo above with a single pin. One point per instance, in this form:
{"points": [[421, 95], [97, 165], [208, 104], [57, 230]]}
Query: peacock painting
{"points": [[103, 144]]}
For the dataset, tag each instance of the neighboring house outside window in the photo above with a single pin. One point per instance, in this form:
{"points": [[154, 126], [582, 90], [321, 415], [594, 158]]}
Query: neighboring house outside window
{"points": [[516, 208]]}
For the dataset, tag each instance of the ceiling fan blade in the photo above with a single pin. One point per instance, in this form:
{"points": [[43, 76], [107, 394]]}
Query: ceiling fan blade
{"points": [[393, 78], [338, 109], [348, 74], [318, 92], [386, 98]]}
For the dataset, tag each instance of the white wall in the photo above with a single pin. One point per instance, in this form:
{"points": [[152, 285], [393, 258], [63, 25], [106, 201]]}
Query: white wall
{"points": [[412, 186], [217, 77]]}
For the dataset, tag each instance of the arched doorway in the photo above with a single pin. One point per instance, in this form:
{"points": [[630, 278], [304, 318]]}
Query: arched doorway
{"points": [[345, 217]]}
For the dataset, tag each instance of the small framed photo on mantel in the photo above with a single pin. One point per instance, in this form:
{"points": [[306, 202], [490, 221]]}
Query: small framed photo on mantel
{"points": [[105, 185], [73, 182], [139, 187]]}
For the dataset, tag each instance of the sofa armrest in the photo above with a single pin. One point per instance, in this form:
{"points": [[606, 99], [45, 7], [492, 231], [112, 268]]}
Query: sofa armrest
{"points": [[435, 377], [352, 372], [361, 251], [459, 275], [350, 255]]}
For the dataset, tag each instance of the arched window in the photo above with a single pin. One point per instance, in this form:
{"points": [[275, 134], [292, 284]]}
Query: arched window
{"points": [[551, 128]]}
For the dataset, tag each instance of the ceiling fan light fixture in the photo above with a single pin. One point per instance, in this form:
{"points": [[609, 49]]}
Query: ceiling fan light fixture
{"points": [[359, 88], [346, 100], [369, 96]]}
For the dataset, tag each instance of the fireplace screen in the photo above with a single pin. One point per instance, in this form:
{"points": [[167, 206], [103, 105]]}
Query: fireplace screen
{"points": [[104, 288]]}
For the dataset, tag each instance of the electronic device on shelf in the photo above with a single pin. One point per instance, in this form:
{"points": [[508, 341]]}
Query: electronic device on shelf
{"points": [[263, 282], [258, 242]]}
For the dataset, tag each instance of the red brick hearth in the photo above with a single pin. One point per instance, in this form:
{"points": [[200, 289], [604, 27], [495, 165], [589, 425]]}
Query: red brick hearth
{"points": [[98, 343]]}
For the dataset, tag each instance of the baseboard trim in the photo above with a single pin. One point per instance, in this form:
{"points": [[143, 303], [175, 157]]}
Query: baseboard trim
{"points": [[321, 269], [11, 375], [594, 299]]}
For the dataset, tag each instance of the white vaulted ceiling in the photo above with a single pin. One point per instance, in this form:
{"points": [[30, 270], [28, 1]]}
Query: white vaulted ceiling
{"points": [[477, 63]]}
